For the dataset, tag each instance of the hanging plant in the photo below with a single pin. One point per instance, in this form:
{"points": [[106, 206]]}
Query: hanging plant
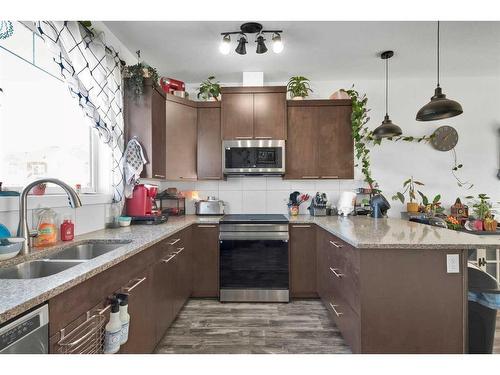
{"points": [[135, 76], [298, 87], [209, 89]]}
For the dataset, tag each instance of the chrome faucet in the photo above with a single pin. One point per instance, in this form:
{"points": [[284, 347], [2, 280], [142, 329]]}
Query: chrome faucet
{"points": [[23, 229]]}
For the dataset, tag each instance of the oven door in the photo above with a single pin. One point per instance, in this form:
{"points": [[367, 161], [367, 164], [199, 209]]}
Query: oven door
{"points": [[264, 157], [254, 269]]}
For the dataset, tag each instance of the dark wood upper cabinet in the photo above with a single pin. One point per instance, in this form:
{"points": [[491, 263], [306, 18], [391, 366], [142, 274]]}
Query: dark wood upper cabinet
{"points": [[181, 139], [209, 155], [320, 144], [205, 260], [145, 119], [253, 112]]}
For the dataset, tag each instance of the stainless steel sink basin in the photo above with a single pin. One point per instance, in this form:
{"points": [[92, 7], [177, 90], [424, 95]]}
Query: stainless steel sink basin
{"points": [[36, 268], [88, 250]]}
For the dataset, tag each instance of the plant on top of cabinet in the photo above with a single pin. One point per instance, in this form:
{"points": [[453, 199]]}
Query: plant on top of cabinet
{"points": [[409, 187], [136, 74], [209, 89], [298, 87]]}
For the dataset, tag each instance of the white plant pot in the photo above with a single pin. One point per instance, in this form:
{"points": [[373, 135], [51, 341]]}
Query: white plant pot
{"points": [[298, 98]]}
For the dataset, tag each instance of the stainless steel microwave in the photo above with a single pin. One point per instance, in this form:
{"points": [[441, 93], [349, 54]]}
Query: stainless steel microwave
{"points": [[253, 157]]}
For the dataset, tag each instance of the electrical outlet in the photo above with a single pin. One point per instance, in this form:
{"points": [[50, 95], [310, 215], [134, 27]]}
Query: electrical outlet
{"points": [[452, 263]]}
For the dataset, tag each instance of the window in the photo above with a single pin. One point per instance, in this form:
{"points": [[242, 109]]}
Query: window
{"points": [[43, 131]]}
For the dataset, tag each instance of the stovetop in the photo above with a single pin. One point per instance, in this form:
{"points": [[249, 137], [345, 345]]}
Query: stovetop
{"points": [[254, 218]]}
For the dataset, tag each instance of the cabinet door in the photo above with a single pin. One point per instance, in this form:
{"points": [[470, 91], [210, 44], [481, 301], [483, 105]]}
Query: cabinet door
{"points": [[209, 154], [269, 116], [302, 260], [301, 146], [237, 116], [163, 295], [181, 137], [206, 260], [335, 143], [141, 338], [158, 131]]}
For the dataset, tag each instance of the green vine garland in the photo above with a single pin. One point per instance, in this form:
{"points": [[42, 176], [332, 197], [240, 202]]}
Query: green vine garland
{"points": [[135, 75]]}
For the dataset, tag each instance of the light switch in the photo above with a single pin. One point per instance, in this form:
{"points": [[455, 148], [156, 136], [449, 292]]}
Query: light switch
{"points": [[453, 263]]}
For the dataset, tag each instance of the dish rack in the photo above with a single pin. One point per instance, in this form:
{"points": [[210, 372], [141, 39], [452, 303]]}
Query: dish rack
{"points": [[86, 338]]}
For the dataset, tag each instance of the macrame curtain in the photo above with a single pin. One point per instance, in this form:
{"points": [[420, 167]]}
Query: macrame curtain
{"points": [[92, 71]]}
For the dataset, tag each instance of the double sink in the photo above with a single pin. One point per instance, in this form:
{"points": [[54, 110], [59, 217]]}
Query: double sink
{"points": [[61, 261]]}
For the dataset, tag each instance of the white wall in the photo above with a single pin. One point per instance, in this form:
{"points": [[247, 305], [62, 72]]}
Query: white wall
{"points": [[392, 163]]}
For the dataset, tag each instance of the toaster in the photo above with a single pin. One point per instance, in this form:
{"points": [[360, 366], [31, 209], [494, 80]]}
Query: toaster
{"points": [[210, 206]]}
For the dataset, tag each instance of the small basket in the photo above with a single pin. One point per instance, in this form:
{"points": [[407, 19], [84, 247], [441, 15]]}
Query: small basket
{"points": [[87, 338]]}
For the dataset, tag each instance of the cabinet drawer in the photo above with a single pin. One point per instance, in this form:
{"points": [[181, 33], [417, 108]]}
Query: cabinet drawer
{"points": [[347, 320]]}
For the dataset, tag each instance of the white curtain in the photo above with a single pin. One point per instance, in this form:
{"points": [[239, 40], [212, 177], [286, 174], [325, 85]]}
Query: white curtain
{"points": [[92, 71]]}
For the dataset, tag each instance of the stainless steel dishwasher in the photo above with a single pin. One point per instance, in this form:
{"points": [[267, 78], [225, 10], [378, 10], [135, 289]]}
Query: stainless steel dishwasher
{"points": [[27, 334]]}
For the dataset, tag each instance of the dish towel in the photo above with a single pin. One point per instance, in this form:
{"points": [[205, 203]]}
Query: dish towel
{"points": [[133, 163], [491, 300]]}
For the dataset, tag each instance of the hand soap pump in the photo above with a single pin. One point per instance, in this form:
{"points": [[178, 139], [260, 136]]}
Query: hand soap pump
{"points": [[113, 329], [124, 317]]}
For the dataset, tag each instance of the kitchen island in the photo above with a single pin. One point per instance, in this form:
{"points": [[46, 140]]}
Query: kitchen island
{"points": [[390, 276]]}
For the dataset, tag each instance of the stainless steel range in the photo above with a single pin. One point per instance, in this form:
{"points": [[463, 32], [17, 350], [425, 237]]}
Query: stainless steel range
{"points": [[254, 258]]}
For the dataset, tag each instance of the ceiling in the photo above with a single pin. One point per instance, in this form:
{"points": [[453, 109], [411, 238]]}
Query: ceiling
{"points": [[319, 50]]}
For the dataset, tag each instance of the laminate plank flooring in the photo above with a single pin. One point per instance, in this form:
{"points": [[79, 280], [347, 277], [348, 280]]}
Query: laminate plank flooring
{"points": [[206, 326], [496, 342]]}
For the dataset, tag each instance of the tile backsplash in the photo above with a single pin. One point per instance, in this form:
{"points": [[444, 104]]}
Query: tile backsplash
{"points": [[259, 194]]}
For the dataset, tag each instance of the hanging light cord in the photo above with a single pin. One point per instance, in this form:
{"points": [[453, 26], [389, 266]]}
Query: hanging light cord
{"points": [[386, 86], [438, 55]]}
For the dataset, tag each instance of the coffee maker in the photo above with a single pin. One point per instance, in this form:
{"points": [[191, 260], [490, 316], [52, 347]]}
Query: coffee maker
{"points": [[141, 207]]}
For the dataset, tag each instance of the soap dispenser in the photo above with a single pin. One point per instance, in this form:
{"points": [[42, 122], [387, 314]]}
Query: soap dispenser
{"points": [[113, 329], [124, 317]]}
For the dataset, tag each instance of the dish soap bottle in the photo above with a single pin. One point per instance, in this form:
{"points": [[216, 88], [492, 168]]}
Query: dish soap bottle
{"points": [[124, 317], [113, 329], [67, 230], [47, 229]]}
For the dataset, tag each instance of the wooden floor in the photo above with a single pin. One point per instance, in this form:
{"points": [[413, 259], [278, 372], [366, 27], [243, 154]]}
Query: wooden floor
{"points": [[496, 343], [208, 326]]}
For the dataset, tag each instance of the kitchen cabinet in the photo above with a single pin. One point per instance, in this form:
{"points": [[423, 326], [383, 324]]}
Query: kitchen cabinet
{"points": [[253, 112], [393, 300], [209, 152], [320, 144], [181, 139], [205, 256], [145, 118], [303, 261]]}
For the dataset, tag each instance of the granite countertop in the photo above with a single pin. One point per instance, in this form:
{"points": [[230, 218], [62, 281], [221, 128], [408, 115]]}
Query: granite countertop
{"points": [[367, 233], [17, 296]]}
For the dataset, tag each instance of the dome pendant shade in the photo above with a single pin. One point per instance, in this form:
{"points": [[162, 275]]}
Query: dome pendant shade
{"points": [[241, 49], [387, 129], [439, 108]]}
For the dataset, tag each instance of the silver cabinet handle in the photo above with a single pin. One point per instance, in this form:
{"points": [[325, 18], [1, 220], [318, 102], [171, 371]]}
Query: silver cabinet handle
{"points": [[128, 289], [159, 175], [243, 137], [301, 226], [179, 250], [329, 176], [263, 137], [206, 226], [174, 241], [336, 245], [334, 271], [172, 256], [310, 176], [339, 314], [210, 178]]}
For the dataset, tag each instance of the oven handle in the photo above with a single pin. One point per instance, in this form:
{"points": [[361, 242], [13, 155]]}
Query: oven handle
{"points": [[253, 236]]}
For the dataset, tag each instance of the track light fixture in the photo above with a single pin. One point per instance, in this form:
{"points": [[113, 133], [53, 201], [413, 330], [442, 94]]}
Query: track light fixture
{"points": [[251, 28]]}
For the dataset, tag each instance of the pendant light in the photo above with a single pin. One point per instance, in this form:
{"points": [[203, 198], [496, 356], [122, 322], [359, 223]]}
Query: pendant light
{"points": [[439, 107], [241, 49], [261, 46], [387, 129]]}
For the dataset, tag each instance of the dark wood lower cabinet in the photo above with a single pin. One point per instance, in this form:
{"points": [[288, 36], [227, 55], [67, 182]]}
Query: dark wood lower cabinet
{"points": [[303, 261], [205, 257]]}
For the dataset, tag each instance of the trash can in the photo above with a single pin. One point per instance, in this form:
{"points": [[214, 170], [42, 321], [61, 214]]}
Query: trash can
{"points": [[484, 300]]}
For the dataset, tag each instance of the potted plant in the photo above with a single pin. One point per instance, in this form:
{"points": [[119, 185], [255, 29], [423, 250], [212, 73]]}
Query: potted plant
{"points": [[482, 211], [409, 188], [298, 87], [136, 74], [209, 89], [431, 208]]}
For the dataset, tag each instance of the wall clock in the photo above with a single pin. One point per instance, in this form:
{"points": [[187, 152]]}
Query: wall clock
{"points": [[444, 138]]}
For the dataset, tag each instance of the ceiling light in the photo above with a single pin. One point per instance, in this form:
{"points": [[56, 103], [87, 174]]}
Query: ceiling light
{"points": [[387, 129], [261, 46], [241, 49], [277, 43], [439, 107], [225, 45]]}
